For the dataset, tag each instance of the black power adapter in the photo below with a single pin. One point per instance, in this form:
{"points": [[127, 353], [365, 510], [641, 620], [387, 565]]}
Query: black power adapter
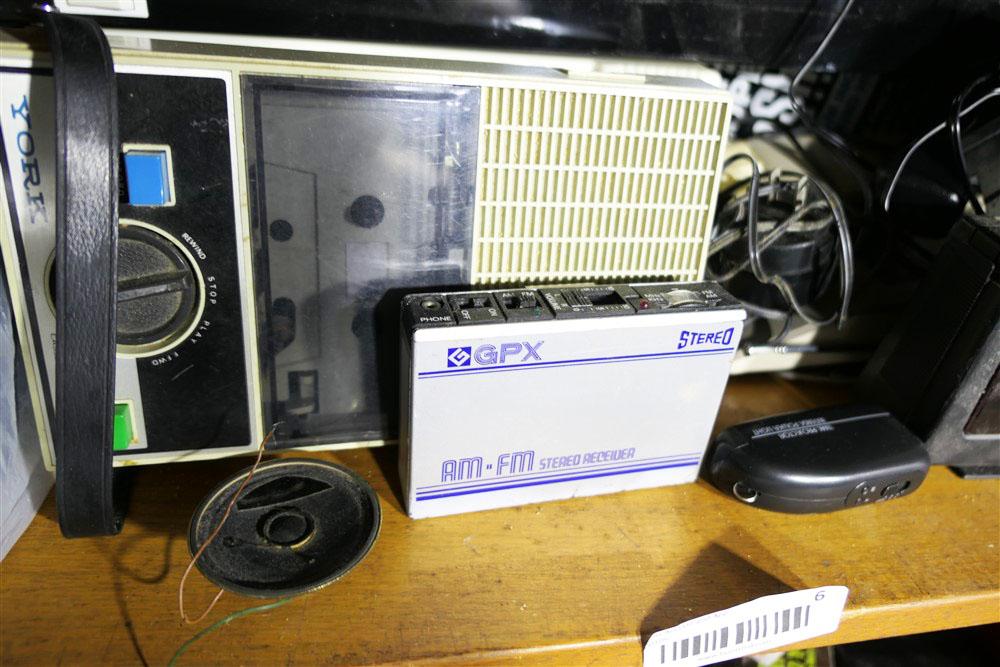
{"points": [[818, 460]]}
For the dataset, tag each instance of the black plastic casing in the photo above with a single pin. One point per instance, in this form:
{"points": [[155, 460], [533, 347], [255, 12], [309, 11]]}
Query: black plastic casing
{"points": [[939, 367], [818, 460]]}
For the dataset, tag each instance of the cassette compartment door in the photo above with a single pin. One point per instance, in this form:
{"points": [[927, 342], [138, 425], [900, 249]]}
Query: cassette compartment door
{"points": [[362, 191]]}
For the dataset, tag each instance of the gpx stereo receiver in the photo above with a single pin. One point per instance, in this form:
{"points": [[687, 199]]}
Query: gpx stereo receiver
{"points": [[520, 396]]}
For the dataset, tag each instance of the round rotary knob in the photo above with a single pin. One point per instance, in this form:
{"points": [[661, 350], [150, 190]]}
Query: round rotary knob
{"points": [[158, 291]]}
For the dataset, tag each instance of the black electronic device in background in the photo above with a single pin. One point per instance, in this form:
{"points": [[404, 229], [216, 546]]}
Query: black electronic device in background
{"points": [[818, 460], [939, 369]]}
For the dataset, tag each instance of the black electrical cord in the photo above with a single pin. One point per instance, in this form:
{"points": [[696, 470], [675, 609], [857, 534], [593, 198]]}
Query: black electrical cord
{"points": [[866, 188], [860, 169], [772, 236], [887, 200], [830, 137], [955, 132], [857, 170], [755, 245]]}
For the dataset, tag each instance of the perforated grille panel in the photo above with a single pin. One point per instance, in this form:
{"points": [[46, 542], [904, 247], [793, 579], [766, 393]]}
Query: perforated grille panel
{"points": [[589, 185]]}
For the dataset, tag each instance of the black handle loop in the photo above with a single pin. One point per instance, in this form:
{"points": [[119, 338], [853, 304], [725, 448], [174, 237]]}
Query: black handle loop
{"points": [[86, 112]]}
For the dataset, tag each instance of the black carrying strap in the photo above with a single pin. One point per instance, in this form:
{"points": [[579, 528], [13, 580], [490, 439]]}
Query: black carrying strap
{"points": [[86, 111]]}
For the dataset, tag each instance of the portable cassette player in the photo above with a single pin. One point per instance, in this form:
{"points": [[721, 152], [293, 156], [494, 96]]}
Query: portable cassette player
{"points": [[274, 205]]}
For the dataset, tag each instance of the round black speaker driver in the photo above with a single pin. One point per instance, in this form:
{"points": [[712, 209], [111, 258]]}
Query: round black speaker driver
{"points": [[298, 525]]}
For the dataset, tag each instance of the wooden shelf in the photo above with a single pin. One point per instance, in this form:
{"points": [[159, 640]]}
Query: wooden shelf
{"points": [[584, 580]]}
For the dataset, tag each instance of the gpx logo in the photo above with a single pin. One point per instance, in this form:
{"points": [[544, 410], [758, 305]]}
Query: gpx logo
{"points": [[459, 356], [494, 355]]}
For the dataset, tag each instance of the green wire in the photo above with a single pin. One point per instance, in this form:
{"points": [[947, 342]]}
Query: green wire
{"points": [[223, 621]]}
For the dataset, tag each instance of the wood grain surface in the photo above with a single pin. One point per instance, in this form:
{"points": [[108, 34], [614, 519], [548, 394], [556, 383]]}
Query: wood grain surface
{"points": [[583, 581]]}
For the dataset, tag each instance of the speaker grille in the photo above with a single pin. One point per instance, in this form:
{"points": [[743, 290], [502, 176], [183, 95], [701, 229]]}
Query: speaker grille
{"points": [[591, 185]]}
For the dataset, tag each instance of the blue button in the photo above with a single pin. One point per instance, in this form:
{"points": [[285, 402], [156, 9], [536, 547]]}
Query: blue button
{"points": [[147, 176]]}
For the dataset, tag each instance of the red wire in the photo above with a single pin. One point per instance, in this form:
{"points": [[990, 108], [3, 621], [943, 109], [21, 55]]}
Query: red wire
{"points": [[211, 538]]}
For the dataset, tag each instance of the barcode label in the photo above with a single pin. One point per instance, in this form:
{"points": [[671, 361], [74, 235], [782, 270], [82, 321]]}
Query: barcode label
{"points": [[752, 627]]}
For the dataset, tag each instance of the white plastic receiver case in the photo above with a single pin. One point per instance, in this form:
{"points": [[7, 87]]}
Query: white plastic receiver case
{"points": [[524, 396]]}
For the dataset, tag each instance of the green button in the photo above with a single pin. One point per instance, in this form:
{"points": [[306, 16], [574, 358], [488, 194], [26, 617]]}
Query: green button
{"points": [[123, 427]]}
